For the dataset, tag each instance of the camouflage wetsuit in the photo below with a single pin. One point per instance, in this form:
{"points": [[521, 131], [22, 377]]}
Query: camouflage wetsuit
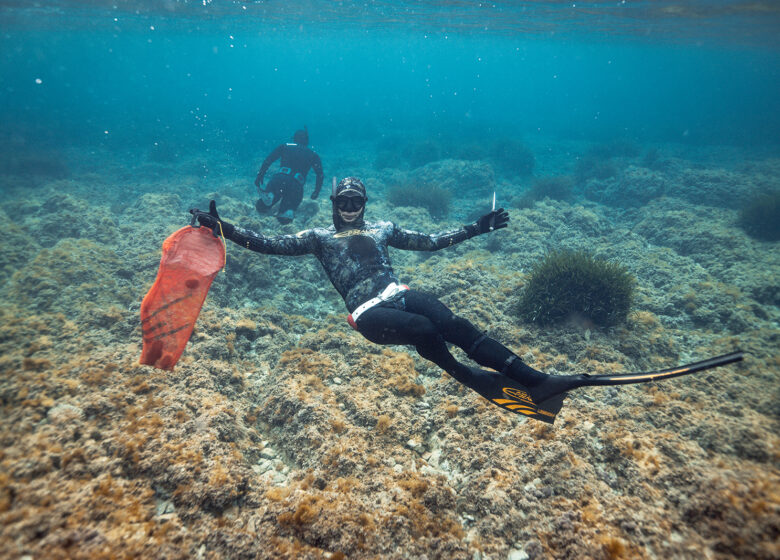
{"points": [[356, 260], [357, 263]]}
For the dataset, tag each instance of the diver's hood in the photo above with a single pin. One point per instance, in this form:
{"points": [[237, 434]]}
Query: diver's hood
{"points": [[354, 187], [301, 136]]}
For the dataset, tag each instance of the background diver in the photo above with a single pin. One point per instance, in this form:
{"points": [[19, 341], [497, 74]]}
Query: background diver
{"points": [[287, 183], [354, 254]]}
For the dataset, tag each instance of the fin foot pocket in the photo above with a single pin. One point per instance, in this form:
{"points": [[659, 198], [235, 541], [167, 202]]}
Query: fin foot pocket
{"points": [[510, 395], [556, 385]]}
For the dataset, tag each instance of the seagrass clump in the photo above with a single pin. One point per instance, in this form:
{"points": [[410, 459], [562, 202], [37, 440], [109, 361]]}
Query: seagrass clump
{"points": [[760, 217], [568, 285]]}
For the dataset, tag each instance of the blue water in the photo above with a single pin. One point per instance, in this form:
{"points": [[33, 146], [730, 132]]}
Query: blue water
{"points": [[644, 132], [230, 75]]}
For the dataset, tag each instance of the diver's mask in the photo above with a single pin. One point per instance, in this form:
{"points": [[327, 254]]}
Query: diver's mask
{"points": [[350, 204]]}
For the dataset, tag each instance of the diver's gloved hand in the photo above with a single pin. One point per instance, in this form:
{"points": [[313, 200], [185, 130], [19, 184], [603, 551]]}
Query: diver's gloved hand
{"points": [[315, 194], [491, 221], [259, 179], [211, 220]]}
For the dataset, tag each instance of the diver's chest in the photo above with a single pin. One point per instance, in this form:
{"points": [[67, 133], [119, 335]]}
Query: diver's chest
{"points": [[360, 244]]}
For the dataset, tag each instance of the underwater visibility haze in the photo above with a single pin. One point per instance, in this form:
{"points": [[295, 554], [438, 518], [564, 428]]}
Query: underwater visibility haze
{"points": [[634, 143]]}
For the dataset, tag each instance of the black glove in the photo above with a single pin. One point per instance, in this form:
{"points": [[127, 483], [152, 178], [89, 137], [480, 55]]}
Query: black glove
{"points": [[259, 179], [315, 194], [211, 220], [491, 221]]}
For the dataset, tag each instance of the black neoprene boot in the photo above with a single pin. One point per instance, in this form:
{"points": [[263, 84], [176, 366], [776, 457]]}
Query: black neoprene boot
{"points": [[488, 352], [541, 386]]}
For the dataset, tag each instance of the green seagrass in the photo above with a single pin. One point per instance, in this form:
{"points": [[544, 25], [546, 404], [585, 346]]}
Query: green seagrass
{"points": [[567, 284], [760, 217]]}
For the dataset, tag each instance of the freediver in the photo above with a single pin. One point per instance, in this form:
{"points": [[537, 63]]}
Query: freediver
{"points": [[288, 181], [354, 254]]}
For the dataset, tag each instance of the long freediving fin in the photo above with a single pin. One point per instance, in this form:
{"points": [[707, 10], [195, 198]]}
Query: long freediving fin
{"points": [[544, 400], [643, 377], [556, 384]]}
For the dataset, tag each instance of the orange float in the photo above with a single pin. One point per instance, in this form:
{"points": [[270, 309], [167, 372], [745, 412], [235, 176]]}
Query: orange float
{"points": [[191, 258]]}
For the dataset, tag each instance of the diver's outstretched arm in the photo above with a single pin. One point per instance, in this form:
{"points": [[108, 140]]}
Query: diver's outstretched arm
{"points": [[272, 157], [302, 243], [416, 241]]}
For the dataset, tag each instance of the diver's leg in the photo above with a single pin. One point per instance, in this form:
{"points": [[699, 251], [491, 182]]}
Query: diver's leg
{"points": [[291, 198], [489, 352], [393, 326], [478, 346], [270, 194]]}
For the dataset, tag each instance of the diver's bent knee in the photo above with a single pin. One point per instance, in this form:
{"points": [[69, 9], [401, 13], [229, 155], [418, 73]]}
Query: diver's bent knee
{"points": [[458, 330]]}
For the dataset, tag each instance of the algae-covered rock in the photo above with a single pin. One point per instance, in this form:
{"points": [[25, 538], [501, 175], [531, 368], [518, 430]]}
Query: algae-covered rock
{"points": [[760, 216], [19, 246], [431, 197], [69, 277], [714, 187], [634, 186], [53, 215], [457, 176]]}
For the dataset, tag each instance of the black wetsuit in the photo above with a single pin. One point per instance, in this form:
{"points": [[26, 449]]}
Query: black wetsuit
{"points": [[357, 263], [287, 183]]}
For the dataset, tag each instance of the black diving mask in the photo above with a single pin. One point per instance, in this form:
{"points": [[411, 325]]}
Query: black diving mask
{"points": [[349, 203]]}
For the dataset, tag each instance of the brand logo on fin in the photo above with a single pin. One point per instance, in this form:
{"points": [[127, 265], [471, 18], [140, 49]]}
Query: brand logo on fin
{"points": [[515, 406], [518, 394]]}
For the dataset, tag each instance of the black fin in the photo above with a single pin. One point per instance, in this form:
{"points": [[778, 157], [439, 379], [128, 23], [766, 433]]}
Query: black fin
{"points": [[544, 400], [517, 400], [645, 377], [560, 384], [512, 396]]}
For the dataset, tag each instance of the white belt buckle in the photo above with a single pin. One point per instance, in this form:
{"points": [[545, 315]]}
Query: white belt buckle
{"points": [[389, 292]]}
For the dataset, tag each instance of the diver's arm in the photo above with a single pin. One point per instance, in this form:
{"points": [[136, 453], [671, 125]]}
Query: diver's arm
{"points": [[316, 164], [416, 241], [301, 243], [272, 157]]}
